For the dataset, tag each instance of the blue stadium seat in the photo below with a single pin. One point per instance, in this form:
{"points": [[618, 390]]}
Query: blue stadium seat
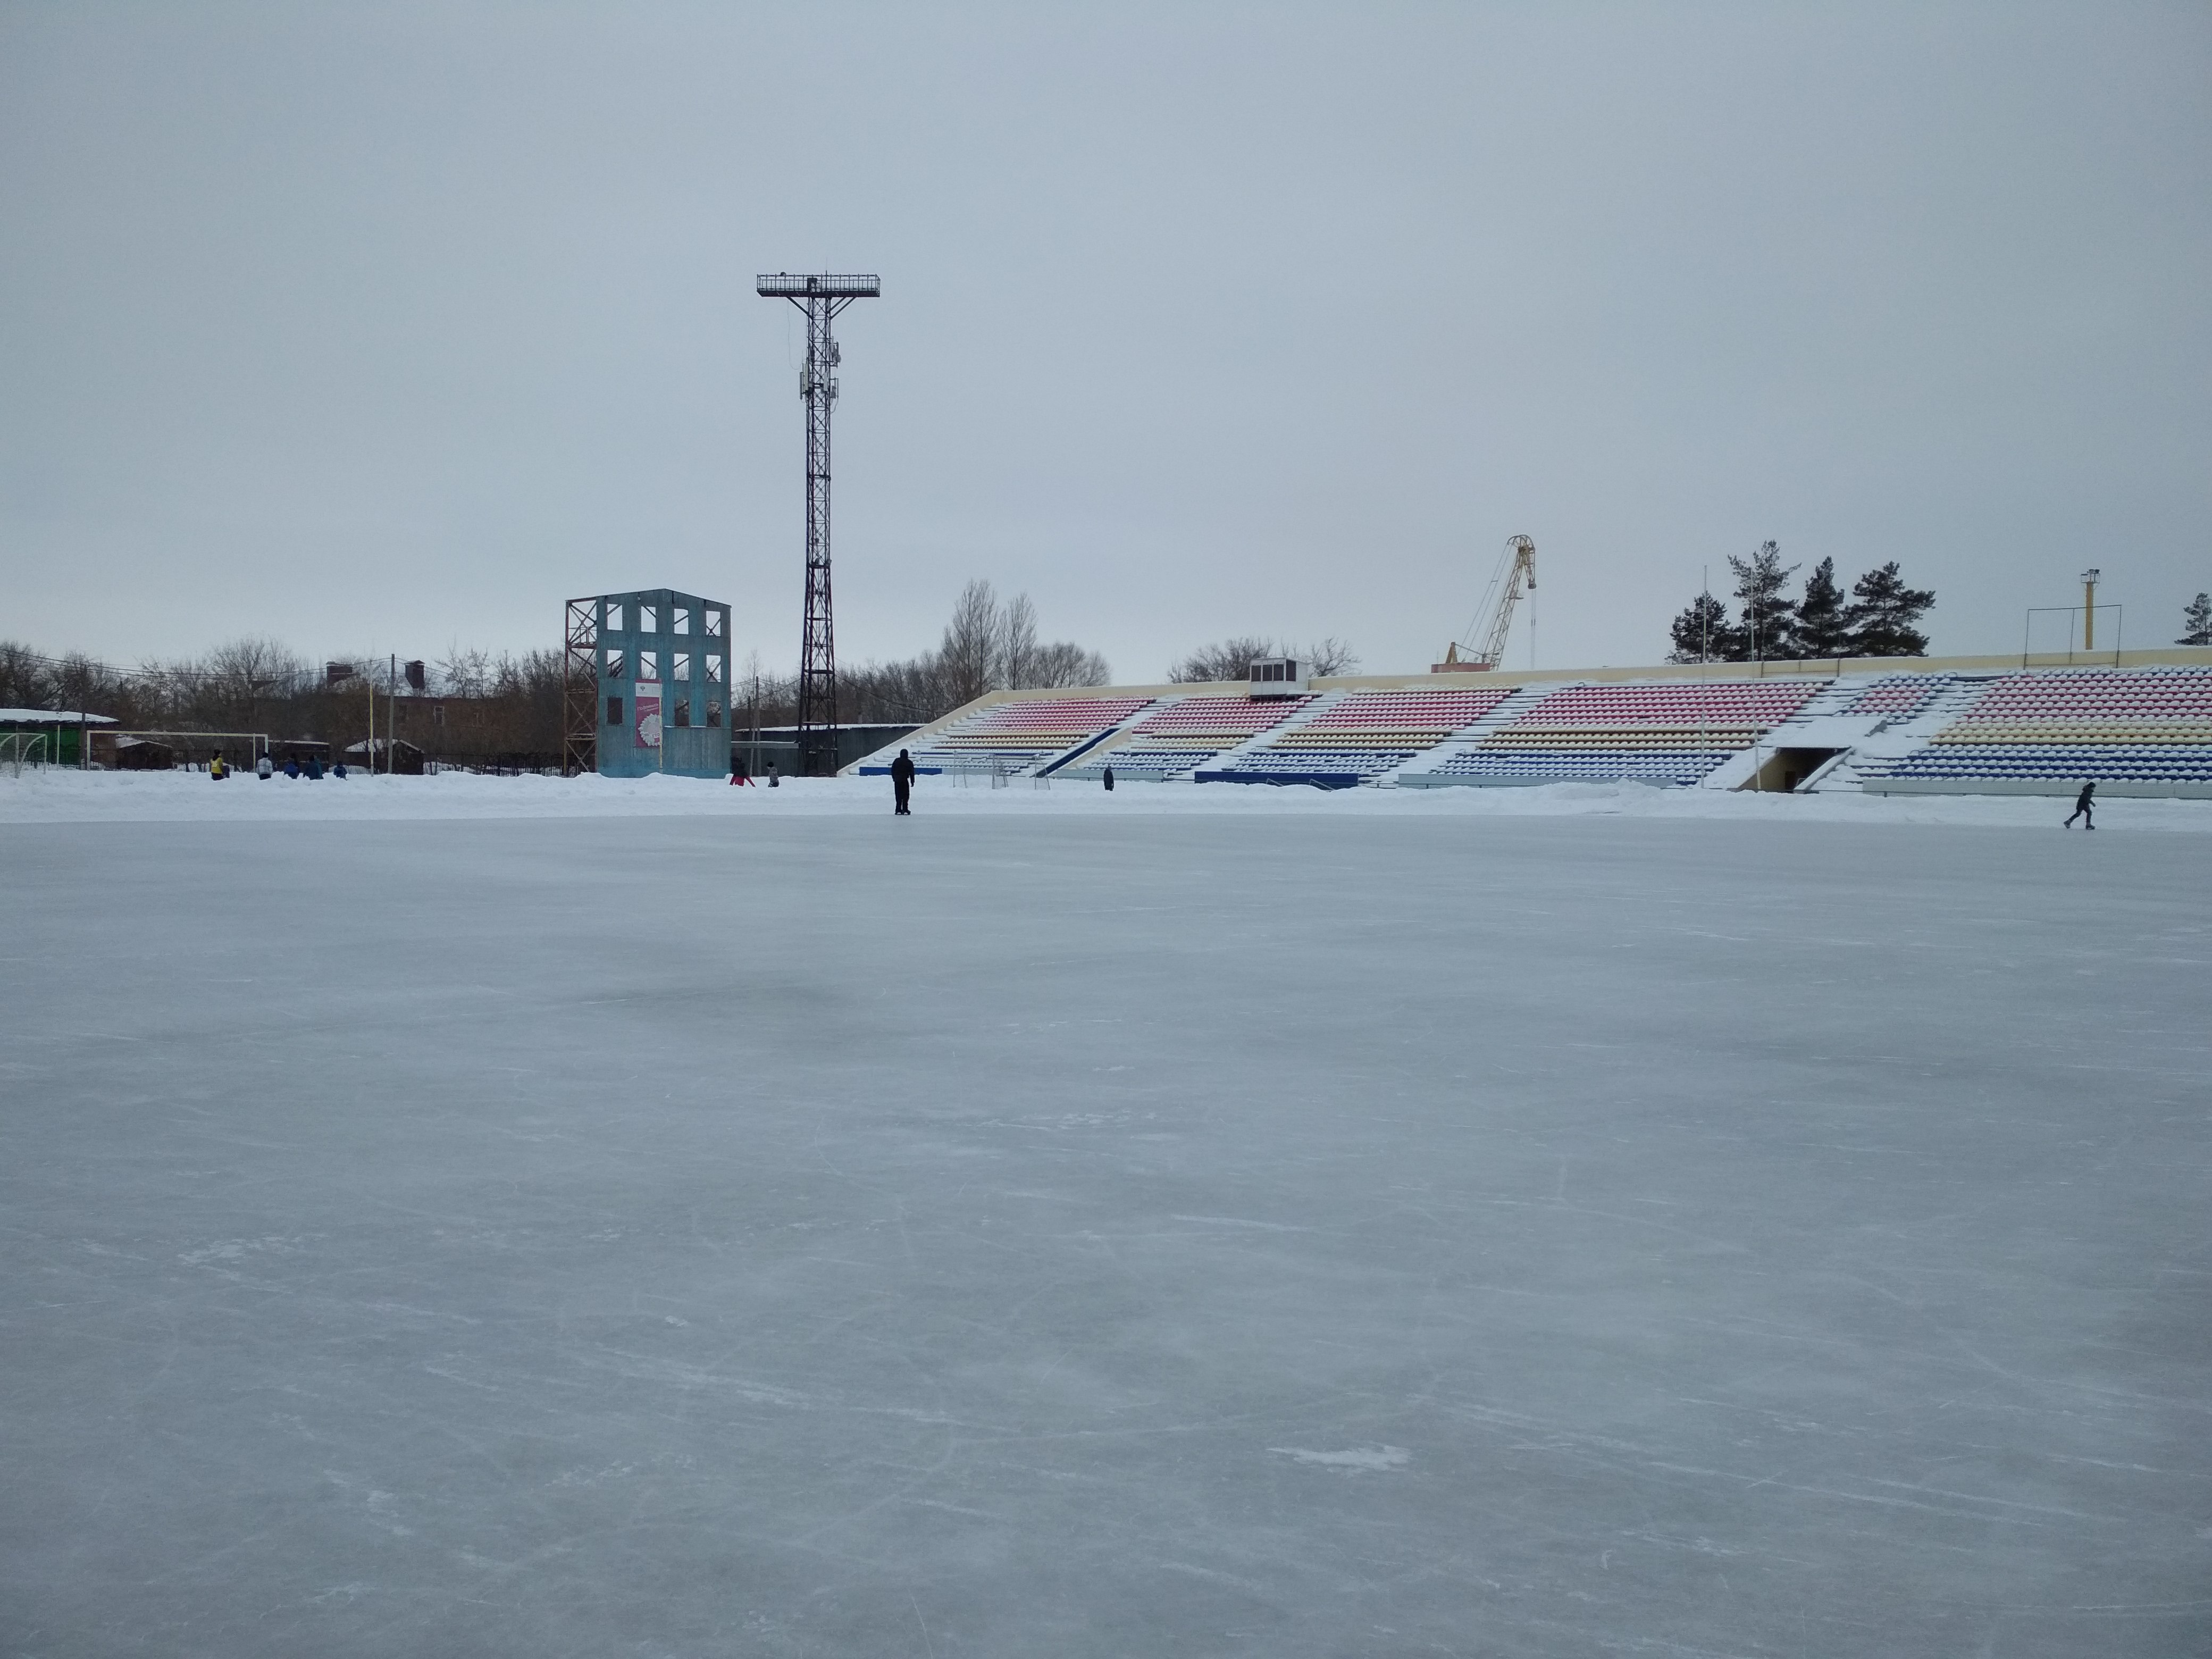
{"points": [[1326, 769], [1501, 764]]}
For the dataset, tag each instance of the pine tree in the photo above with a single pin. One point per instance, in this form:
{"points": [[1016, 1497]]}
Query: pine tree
{"points": [[1884, 615], [1770, 622], [1823, 627], [2196, 622], [1702, 632]]}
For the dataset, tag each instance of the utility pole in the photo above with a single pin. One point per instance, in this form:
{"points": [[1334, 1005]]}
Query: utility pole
{"points": [[2089, 609], [821, 298]]}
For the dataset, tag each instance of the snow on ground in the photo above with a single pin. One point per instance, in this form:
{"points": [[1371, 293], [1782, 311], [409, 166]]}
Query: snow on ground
{"points": [[60, 796], [749, 1223]]}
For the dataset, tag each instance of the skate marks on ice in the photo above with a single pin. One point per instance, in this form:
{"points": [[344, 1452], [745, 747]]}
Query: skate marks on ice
{"points": [[1169, 1235], [1355, 1459]]}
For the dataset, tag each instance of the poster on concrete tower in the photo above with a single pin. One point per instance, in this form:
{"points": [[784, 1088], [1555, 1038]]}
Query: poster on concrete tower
{"points": [[648, 713]]}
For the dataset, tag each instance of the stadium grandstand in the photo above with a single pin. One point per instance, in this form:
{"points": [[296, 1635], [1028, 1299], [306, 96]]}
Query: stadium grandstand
{"points": [[2138, 723], [1010, 734], [1186, 733]]}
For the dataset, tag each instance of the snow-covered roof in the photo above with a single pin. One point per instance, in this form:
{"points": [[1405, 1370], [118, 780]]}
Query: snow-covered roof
{"points": [[51, 717]]}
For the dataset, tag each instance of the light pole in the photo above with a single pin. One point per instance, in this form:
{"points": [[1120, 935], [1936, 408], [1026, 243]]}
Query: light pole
{"points": [[821, 298]]}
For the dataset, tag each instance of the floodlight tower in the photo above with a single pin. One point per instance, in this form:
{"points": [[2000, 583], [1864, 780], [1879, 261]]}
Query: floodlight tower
{"points": [[821, 298]]}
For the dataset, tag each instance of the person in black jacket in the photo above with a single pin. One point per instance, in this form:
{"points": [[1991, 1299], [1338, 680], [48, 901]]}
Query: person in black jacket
{"points": [[901, 782], [2082, 805]]}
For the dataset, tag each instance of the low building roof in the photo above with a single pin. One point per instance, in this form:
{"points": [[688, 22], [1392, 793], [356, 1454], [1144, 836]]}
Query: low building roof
{"points": [[51, 717]]}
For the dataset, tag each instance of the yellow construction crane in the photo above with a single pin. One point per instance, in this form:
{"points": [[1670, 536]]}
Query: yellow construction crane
{"points": [[1516, 575]]}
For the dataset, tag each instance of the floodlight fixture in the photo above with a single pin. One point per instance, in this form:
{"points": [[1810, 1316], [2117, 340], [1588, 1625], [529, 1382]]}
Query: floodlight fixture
{"points": [[784, 286]]}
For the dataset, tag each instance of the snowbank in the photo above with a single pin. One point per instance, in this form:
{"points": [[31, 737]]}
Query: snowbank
{"points": [[60, 796]]}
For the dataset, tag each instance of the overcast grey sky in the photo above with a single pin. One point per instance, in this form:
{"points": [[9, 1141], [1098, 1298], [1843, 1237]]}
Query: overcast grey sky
{"points": [[391, 327]]}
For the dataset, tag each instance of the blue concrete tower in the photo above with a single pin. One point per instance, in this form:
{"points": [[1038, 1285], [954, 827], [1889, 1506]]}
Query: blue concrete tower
{"points": [[664, 678]]}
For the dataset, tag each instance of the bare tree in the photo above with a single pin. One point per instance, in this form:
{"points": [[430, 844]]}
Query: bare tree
{"points": [[238, 679], [893, 692], [965, 659], [1228, 659], [506, 710], [80, 682], [24, 680], [749, 680], [1233, 659], [171, 689], [1328, 656], [136, 697], [1017, 644], [464, 673], [254, 668], [1065, 663]]}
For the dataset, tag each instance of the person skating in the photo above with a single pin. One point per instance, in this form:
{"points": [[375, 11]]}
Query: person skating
{"points": [[263, 770], [901, 783], [738, 775], [1109, 779], [2082, 803]]}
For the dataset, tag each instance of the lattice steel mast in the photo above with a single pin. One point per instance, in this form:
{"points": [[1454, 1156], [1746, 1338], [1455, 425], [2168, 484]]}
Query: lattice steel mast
{"points": [[821, 298]]}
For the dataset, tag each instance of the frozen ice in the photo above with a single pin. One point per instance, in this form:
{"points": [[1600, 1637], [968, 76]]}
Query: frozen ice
{"points": [[469, 1216]]}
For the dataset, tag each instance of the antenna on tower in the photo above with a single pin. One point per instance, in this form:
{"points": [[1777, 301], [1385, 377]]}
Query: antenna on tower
{"points": [[821, 298]]}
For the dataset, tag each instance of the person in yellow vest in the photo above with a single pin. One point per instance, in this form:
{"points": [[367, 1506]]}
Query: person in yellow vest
{"points": [[216, 769]]}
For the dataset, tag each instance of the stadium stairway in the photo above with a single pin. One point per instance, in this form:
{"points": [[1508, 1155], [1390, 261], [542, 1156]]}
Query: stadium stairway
{"points": [[1012, 737], [1169, 741], [1824, 731], [2142, 730], [1416, 773], [1897, 734], [1668, 732], [1363, 737], [1228, 759]]}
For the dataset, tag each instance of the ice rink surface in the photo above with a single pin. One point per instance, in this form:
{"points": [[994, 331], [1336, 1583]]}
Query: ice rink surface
{"points": [[1037, 1232]]}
